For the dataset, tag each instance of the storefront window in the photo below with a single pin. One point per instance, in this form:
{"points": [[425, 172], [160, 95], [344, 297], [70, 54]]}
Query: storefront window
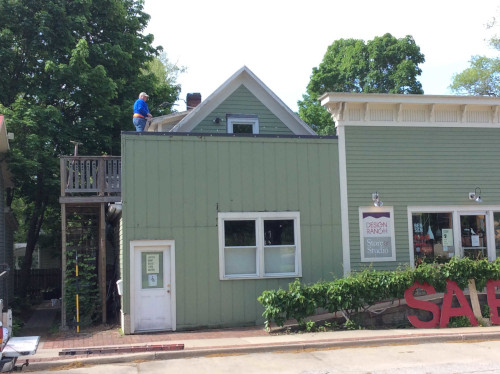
{"points": [[496, 219], [433, 237]]}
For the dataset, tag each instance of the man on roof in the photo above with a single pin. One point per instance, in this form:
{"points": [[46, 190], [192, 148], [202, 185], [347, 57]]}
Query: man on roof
{"points": [[141, 112]]}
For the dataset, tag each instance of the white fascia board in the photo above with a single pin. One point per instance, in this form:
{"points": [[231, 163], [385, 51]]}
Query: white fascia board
{"points": [[277, 106], [208, 105], [245, 77], [417, 124], [350, 97]]}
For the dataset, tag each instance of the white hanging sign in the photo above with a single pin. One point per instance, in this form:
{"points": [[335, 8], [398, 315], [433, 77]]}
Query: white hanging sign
{"points": [[377, 234]]}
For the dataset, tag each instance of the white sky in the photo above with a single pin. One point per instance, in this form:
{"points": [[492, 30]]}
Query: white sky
{"points": [[281, 41]]}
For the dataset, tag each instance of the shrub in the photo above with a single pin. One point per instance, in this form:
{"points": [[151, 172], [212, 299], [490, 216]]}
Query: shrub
{"points": [[362, 289]]}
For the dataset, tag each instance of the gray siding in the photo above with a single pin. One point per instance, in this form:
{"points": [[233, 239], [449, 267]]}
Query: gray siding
{"points": [[174, 187], [242, 101], [417, 166]]}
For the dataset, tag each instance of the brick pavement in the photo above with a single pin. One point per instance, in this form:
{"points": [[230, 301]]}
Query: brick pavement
{"points": [[112, 337]]}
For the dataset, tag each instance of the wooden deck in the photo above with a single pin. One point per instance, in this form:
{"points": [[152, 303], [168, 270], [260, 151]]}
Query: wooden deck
{"points": [[90, 179], [88, 185]]}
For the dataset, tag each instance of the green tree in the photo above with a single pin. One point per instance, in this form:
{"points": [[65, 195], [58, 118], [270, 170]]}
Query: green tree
{"points": [[382, 65], [482, 77], [69, 70], [164, 74]]}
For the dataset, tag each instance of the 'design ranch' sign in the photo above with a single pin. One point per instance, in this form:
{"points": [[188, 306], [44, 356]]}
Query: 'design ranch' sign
{"points": [[442, 316]]}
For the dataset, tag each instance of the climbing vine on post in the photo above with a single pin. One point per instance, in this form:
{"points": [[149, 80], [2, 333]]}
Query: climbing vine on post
{"points": [[86, 288]]}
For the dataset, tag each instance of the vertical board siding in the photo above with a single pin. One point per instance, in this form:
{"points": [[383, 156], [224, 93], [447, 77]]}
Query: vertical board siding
{"points": [[411, 166], [188, 180], [242, 98]]}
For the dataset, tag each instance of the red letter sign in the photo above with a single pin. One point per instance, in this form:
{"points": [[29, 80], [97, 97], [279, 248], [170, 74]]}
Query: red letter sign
{"points": [[493, 302], [463, 310], [424, 305]]}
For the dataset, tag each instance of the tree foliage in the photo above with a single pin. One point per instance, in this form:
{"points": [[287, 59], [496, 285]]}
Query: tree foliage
{"points": [[70, 70], [164, 76], [382, 65], [482, 77]]}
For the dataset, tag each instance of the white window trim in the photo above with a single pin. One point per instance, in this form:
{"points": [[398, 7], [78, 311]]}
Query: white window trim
{"points": [[259, 217], [250, 120], [456, 211], [361, 237]]}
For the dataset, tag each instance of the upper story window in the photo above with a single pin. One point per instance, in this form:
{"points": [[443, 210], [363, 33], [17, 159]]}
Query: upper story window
{"points": [[242, 124]]}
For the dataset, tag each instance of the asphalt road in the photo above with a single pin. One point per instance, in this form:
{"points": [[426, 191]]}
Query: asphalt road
{"points": [[482, 357]]}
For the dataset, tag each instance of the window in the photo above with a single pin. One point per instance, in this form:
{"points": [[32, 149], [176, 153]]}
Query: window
{"points": [[438, 233], [432, 236], [242, 124], [259, 245]]}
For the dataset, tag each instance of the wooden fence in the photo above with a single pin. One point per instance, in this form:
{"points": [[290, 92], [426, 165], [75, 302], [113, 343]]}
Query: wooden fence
{"points": [[45, 283]]}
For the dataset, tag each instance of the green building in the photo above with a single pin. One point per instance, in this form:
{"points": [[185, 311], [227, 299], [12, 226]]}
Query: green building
{"points": [[433, 163], [238, 195]]}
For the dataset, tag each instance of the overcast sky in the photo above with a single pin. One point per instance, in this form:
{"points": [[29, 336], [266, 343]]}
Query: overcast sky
{"points": [[281, 41]]}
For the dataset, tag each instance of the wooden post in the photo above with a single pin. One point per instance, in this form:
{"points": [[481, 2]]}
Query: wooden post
{"points": [[64, 177], [63, 264], [102, 175], [474, 300], [102, 260]]}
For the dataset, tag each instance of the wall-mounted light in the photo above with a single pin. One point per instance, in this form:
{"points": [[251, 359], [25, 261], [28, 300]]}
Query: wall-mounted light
{"points": [[376, 200], [476, 195]]}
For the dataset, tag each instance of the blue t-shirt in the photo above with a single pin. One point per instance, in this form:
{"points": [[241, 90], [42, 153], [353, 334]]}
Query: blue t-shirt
{"points": [[141, 107]]}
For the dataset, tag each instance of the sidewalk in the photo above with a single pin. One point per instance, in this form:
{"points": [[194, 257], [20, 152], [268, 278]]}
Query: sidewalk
{"points": [[233, 341]]}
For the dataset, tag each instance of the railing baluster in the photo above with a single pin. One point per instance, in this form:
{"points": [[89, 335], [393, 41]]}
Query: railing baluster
{"points": [[88, 175], [109, 182], [71, 175], [96, 175]]}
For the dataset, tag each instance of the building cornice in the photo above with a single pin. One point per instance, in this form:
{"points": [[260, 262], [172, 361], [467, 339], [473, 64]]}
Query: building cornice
{"points": [[360, 109]]}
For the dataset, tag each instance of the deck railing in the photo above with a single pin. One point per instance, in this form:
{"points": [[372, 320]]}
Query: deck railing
{"points": [[91, 175]]}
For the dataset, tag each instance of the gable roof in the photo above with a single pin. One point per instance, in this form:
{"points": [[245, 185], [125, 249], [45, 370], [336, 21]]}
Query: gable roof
{"points": [[247, 78]]}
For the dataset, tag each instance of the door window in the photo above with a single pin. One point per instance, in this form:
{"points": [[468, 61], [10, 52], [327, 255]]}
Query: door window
{"points": [[473, 233], [152, 269]]}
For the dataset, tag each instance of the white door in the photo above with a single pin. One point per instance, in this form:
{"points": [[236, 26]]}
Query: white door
{"points": [[153, 285], [473, 232]]}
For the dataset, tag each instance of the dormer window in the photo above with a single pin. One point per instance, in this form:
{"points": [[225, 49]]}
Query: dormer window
{"points": [[242, 124]]}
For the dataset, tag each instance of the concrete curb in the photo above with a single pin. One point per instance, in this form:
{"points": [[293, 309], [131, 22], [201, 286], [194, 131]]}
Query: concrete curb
{"points": [[262, 348]]}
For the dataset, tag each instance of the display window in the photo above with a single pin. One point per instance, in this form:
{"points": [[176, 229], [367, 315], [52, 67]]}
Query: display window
{"points": [[496, 218], [433, 237], [439, 233]]}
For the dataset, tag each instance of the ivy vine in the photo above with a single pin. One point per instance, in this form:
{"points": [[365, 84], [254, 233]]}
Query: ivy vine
{"points": [[361, 289], [85, 286]]}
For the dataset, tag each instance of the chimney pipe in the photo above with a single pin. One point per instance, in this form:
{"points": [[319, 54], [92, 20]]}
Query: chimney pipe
{"points": [[193, 100]]}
